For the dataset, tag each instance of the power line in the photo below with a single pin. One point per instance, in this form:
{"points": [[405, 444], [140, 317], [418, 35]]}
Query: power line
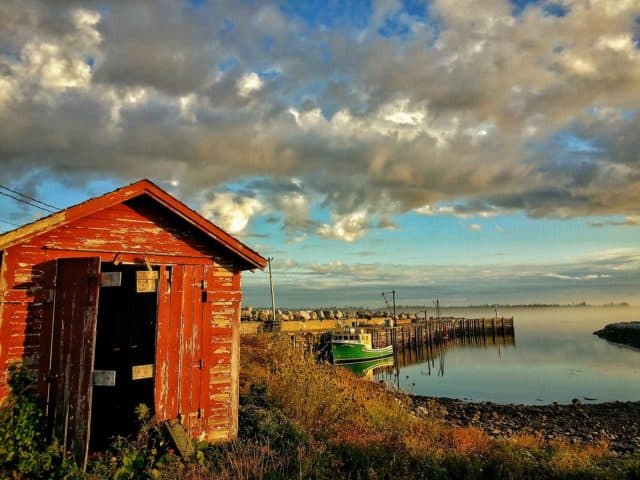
{"points": [[28, 197], [27, 202], [9, 223]]}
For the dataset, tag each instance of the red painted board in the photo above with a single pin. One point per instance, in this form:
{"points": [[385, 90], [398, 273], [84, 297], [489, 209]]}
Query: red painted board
{"points": [[186, 347], [196, 349], [72, 355], [162, 346], [174, 341]]}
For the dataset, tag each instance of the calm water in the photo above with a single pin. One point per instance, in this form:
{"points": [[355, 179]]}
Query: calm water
{"points": [[555, 358]]}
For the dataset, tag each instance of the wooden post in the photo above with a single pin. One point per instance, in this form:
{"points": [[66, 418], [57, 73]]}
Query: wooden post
{"points": [[273, 297]]}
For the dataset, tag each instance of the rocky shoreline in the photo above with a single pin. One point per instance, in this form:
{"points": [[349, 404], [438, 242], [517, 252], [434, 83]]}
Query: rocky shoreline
{"points": [[626, 333], [617, 423]]}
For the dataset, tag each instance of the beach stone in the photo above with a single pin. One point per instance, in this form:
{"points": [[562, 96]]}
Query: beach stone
{"points": [[617, 422]]}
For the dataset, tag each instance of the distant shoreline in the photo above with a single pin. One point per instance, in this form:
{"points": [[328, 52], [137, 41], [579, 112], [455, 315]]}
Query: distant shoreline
{"points": [[400, 308]]}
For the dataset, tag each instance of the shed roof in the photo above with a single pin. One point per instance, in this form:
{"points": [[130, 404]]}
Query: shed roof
{"points": [[140, 188]]}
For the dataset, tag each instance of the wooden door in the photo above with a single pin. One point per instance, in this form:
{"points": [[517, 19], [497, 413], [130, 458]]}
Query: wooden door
{"points": [[72, 353], [180, 358], [197, 351]]}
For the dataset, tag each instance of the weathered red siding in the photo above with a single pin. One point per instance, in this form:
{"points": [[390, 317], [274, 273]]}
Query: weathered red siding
{"points": [[199, 297]]}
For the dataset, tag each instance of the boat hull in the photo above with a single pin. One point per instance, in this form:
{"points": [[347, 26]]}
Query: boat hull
{"points": [[353, 352]]}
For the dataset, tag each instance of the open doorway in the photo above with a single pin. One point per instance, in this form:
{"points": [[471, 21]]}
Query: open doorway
{"points": [[124, 355]]}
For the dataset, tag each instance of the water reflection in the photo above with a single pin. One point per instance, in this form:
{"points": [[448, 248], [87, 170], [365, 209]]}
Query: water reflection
{"points": [[369, 368], [431, 357], [556, 358]]}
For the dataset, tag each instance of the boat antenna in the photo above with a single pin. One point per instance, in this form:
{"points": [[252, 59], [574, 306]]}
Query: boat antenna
{"points": [[393, 296]]}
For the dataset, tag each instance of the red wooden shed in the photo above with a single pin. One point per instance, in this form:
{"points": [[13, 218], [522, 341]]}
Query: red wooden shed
{"points": [[127, 298]]}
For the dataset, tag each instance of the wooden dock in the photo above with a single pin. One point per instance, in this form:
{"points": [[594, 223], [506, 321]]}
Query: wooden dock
{"points": [[426, 333], [437, 330]]}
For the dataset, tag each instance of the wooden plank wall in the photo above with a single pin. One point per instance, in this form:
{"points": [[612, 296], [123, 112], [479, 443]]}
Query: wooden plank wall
{"points": [[26, 300], [222, 361], [204, 325], [197, 365]]}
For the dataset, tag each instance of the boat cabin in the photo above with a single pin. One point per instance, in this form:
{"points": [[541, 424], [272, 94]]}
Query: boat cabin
{"points": [[359, 338]]}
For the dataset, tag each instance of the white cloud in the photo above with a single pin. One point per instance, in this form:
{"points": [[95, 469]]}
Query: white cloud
{"points": [[295, 207], [337, 267], [429, 118], [398, 112], [475, 227], [310, 119], [424, 210], [230, 211], [55, 69], [347, 228], [591, 276], [298, 239], [460, 211], [249, 84]]}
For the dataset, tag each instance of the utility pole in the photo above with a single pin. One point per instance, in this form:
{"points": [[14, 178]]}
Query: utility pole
{"points": [[273, 297], [393, 293]]}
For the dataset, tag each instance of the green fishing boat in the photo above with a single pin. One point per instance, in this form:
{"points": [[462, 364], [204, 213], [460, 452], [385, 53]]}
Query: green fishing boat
{"points": [[356, 346]]}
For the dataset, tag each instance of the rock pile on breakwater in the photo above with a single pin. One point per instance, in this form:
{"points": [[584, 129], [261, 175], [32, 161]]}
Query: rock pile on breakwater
{"points": [[617, 423], [250, 314], [627, 333]]}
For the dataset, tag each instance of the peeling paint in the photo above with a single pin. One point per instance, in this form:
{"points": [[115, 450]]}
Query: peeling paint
{"points": [[198, 304]]}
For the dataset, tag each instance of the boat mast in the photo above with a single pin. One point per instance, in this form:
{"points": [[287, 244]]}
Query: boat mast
{"points": [[393, 296]]}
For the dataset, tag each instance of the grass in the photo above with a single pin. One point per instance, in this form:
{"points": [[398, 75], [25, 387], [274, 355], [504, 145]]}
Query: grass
{"points": [[364, 431], [303, 420]]}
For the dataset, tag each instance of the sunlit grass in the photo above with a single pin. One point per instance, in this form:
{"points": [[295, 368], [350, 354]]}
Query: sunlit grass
{"points": [[364, 426], [302, 420]]}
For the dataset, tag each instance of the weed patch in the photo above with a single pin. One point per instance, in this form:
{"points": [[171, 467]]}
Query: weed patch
{"points": [[24, 450]]}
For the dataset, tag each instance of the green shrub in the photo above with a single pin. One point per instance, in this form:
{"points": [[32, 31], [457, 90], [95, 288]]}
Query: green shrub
{"points": [[24, 451], [139, 458], [264, 423]]}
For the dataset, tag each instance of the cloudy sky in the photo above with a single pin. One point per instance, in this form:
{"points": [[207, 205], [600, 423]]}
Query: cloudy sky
{"points": [[472, 151]]}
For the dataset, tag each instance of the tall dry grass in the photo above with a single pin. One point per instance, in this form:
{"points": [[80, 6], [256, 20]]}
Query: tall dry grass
{"points": [[336, 412], [301, 420]]}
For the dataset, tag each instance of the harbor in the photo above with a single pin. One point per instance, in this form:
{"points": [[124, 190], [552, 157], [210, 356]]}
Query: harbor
{"points": [[411, 343]]}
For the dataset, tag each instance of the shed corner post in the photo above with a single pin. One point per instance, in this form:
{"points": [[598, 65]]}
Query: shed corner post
{"points": [[4, 328], [235, 358]]}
